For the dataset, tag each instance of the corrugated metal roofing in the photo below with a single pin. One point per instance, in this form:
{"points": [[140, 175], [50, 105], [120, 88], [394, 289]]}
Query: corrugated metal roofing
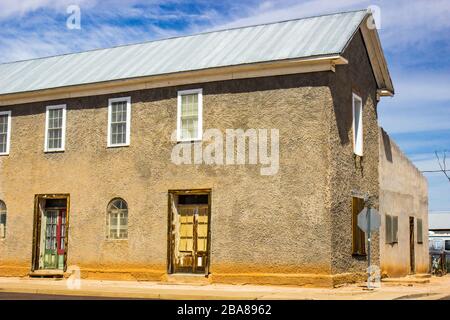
{"points": [[316, 36]]}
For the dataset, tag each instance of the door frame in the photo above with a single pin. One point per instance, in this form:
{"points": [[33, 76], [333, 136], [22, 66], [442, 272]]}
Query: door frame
{"points": [[412, 252], [169, 225], [37, 228]]}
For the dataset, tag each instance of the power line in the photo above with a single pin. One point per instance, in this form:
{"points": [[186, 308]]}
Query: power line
{"points": [[432, 171]]}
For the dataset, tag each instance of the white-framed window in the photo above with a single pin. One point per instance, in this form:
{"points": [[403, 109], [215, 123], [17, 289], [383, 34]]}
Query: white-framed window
{"points": [[119, 122], [117, 219], [357, 125], [55, 128], [189, 115], [2, 220], [5, 132]]}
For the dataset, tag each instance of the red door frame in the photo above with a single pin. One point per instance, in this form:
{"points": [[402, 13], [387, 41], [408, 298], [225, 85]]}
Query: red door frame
{"points": [[59, 250]]}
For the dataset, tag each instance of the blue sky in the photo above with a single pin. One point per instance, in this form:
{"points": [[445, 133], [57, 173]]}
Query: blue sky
{"points": [[415, 36]]}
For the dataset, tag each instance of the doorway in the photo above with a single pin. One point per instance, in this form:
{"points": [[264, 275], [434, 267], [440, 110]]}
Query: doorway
{"points": [[411, 246], [189, 231], [50, 232]]}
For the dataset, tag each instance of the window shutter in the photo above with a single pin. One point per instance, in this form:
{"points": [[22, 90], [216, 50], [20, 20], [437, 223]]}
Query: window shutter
{"points": [[358, 243], [388, 229], [394, 229], [419, 231]]}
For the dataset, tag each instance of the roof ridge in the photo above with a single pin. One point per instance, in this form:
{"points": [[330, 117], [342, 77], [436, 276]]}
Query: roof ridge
{"points": [[184, 36]]}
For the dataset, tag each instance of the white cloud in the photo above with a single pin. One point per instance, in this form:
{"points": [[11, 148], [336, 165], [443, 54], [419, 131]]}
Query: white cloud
{"points": [[271, 11], [10, 8]]}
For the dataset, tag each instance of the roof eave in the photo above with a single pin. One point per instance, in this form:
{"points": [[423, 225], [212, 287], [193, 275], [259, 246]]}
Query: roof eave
{"points": [[377, 58], [245, 71]]}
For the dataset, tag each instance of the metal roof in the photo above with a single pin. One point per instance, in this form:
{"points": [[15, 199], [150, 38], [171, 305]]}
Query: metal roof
{"points": [[301, 38], [439, 221]]}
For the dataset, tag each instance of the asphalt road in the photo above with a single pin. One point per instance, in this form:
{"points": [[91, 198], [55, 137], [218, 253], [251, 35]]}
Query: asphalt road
{"points": [[33, 296]]}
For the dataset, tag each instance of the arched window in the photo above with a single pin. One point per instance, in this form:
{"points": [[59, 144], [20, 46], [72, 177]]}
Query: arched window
{"points": [[2, 219], [117, 219]]}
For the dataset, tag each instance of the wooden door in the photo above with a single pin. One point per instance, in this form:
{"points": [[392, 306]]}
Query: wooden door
{"points": [[54, 238], [189, 245], [50, 250]]}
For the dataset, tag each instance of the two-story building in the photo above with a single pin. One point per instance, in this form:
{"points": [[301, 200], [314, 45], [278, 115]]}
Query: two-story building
{"points": [[242, 155]]}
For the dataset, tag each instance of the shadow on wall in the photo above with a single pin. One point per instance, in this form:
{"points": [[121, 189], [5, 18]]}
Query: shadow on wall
{"points": [[387, 145], [304, 80], [343, 112]]}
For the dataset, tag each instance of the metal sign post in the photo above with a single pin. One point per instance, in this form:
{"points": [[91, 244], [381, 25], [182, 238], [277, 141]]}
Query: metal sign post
{"points": [[369, 220]]}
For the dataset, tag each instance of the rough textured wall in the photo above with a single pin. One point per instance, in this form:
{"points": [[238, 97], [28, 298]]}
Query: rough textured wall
{"points": [[349, 172], [403, 193], [261, 225]]}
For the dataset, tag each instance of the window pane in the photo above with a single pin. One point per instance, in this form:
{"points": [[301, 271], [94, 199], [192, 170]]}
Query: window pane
{"points": [[447, 245], [55, 127], [3, 132], [189, 116], [2, 219], [358, 130], [3, 139], [117, 222], [119, 122]]}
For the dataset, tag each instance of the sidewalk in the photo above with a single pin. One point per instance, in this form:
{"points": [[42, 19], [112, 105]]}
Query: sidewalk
{"points": [[436, 289]]}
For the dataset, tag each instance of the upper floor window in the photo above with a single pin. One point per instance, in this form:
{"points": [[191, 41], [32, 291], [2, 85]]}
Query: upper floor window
{"points": [[189, 115], [357, 125], [119, 122], [55, 128], [2, 219], [117, 219], [5, 132]]}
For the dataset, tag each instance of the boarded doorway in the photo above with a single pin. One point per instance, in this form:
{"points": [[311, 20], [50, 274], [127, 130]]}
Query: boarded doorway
{"points": [[50, 232], [411, 246], [189, 231]]}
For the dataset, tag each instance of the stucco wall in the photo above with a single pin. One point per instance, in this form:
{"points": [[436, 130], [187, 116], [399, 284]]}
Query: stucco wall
{"points": [[403, 193], [261, 225], [350, 173], [291, 228]]}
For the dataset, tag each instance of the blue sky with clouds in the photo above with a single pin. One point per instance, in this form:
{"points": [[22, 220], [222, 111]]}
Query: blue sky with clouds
{"points": [[415, 36]]}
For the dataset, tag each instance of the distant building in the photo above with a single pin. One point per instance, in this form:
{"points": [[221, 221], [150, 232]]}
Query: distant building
{"points": [[439, 230]]}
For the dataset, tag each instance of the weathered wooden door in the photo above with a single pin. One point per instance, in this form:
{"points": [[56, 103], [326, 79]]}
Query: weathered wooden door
{"points": [[54, 238], [189, 236], [412, 256]]}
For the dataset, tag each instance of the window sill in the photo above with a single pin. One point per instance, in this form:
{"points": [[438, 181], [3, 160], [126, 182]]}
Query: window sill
{"points": [[391, 244], [54, 150], [4, 154], [116, 240], [118, 146], [189, 141]]}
